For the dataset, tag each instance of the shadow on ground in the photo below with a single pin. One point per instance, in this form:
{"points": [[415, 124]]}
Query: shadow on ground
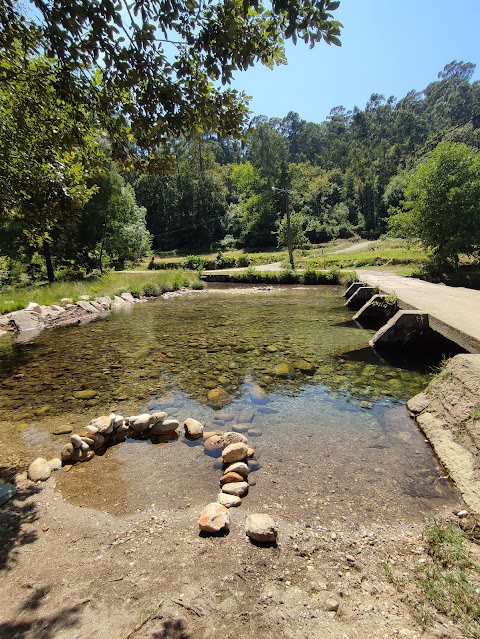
{"points": [[14, 515]]}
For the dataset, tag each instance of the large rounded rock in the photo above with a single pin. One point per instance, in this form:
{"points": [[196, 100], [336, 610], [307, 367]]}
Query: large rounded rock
{"points": [[214, 518], [233, 438], [165, 426], [238, 488], [238, 467], [234, 453], [218, 397], [229, 501], [139, 423], [231, 477], [39, 470], [261, 527], [193, 428], [67, 452]]}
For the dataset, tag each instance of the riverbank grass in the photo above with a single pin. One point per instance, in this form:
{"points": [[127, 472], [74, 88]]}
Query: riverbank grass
{"points": [[450, 581], [150, 284]]}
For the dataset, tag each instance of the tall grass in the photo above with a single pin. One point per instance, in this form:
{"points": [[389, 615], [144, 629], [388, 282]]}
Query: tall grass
{"points": [[153, 283]]}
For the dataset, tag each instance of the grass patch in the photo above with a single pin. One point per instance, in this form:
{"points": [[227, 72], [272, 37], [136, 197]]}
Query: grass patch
{"points": [[450, 581], [287, 276], [149, 284]]}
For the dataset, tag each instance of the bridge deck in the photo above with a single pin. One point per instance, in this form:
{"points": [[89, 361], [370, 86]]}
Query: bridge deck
{"points": [[454, 312]]}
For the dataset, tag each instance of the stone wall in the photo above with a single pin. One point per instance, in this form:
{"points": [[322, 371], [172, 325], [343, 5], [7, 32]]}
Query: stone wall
{"points": [[448, 413]]}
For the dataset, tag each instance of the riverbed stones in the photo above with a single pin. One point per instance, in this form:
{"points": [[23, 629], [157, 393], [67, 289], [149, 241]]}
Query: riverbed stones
{"points": [[230, 477], [233, 438], [245, 415], [218, 397], [193, 428], [229, 501], [88, 393], [238, 467], [214, 518], [261, 527], [55, 463], [241, 428], [234, 452], [240, 488], [282, 370], [39, 470], [305, 367]]}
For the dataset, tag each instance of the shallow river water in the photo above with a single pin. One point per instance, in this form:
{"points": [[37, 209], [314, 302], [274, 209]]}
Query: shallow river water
{"points": [[336, 438]]}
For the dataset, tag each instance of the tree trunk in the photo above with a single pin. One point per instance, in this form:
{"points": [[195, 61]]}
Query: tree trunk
{"points": [[48, 261]]}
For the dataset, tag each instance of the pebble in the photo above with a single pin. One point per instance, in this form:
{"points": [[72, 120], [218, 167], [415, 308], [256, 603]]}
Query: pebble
{"points": [[332, 605], [261, 527], [254, 432], [462, 513], [89, 393], [214, 518], [240, 489], [67, 452], [245, 415], [235, 452], [55, 463], [62, 430]]}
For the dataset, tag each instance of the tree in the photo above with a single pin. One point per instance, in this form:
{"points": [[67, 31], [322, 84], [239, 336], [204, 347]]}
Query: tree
{"points": [[47, 151], [442, 203], [150, 67], [297, 225]]}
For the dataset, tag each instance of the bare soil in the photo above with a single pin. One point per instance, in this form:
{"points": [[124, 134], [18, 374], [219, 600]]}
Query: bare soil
{"points": [[73, 572]]}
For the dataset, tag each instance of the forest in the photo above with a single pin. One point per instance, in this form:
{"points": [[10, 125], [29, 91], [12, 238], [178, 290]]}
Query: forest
{"points": [[82, 190]]}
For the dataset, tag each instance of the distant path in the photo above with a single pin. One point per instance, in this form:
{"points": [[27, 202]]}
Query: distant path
{"points": [[353, 247], [454, 311]]}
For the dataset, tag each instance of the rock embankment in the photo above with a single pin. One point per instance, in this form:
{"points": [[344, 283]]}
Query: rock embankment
{"points": [[36, 317], [448, 413]]}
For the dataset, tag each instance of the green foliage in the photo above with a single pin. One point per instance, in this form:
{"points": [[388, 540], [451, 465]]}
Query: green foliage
{"points": [[193, 263], [450, 580], [442, 203], [297, 225], [152, 70]]}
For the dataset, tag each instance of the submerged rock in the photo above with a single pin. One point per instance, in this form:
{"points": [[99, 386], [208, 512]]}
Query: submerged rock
{"points": [[88, 393], [218, 397], [214, 442], [305, 367], [261, 527], [245, 415], [214, 518], [282, 370], [258, 395]]}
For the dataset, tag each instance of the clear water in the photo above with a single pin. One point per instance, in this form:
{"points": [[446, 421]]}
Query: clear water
{"points": [[338, 439]]}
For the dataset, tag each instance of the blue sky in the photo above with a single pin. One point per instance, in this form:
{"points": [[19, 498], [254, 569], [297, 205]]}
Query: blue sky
{"points": [[389, 47]]}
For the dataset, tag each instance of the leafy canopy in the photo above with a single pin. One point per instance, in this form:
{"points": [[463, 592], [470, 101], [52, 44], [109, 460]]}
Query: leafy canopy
{"points": [[151, 68]]}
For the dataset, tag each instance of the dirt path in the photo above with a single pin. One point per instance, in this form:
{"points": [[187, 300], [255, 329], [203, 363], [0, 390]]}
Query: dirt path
{"points": [[353, 247]]}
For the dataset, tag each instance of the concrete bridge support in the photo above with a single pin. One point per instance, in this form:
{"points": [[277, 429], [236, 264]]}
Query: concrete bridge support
{"points": [[404, 329], [359, 297]]}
